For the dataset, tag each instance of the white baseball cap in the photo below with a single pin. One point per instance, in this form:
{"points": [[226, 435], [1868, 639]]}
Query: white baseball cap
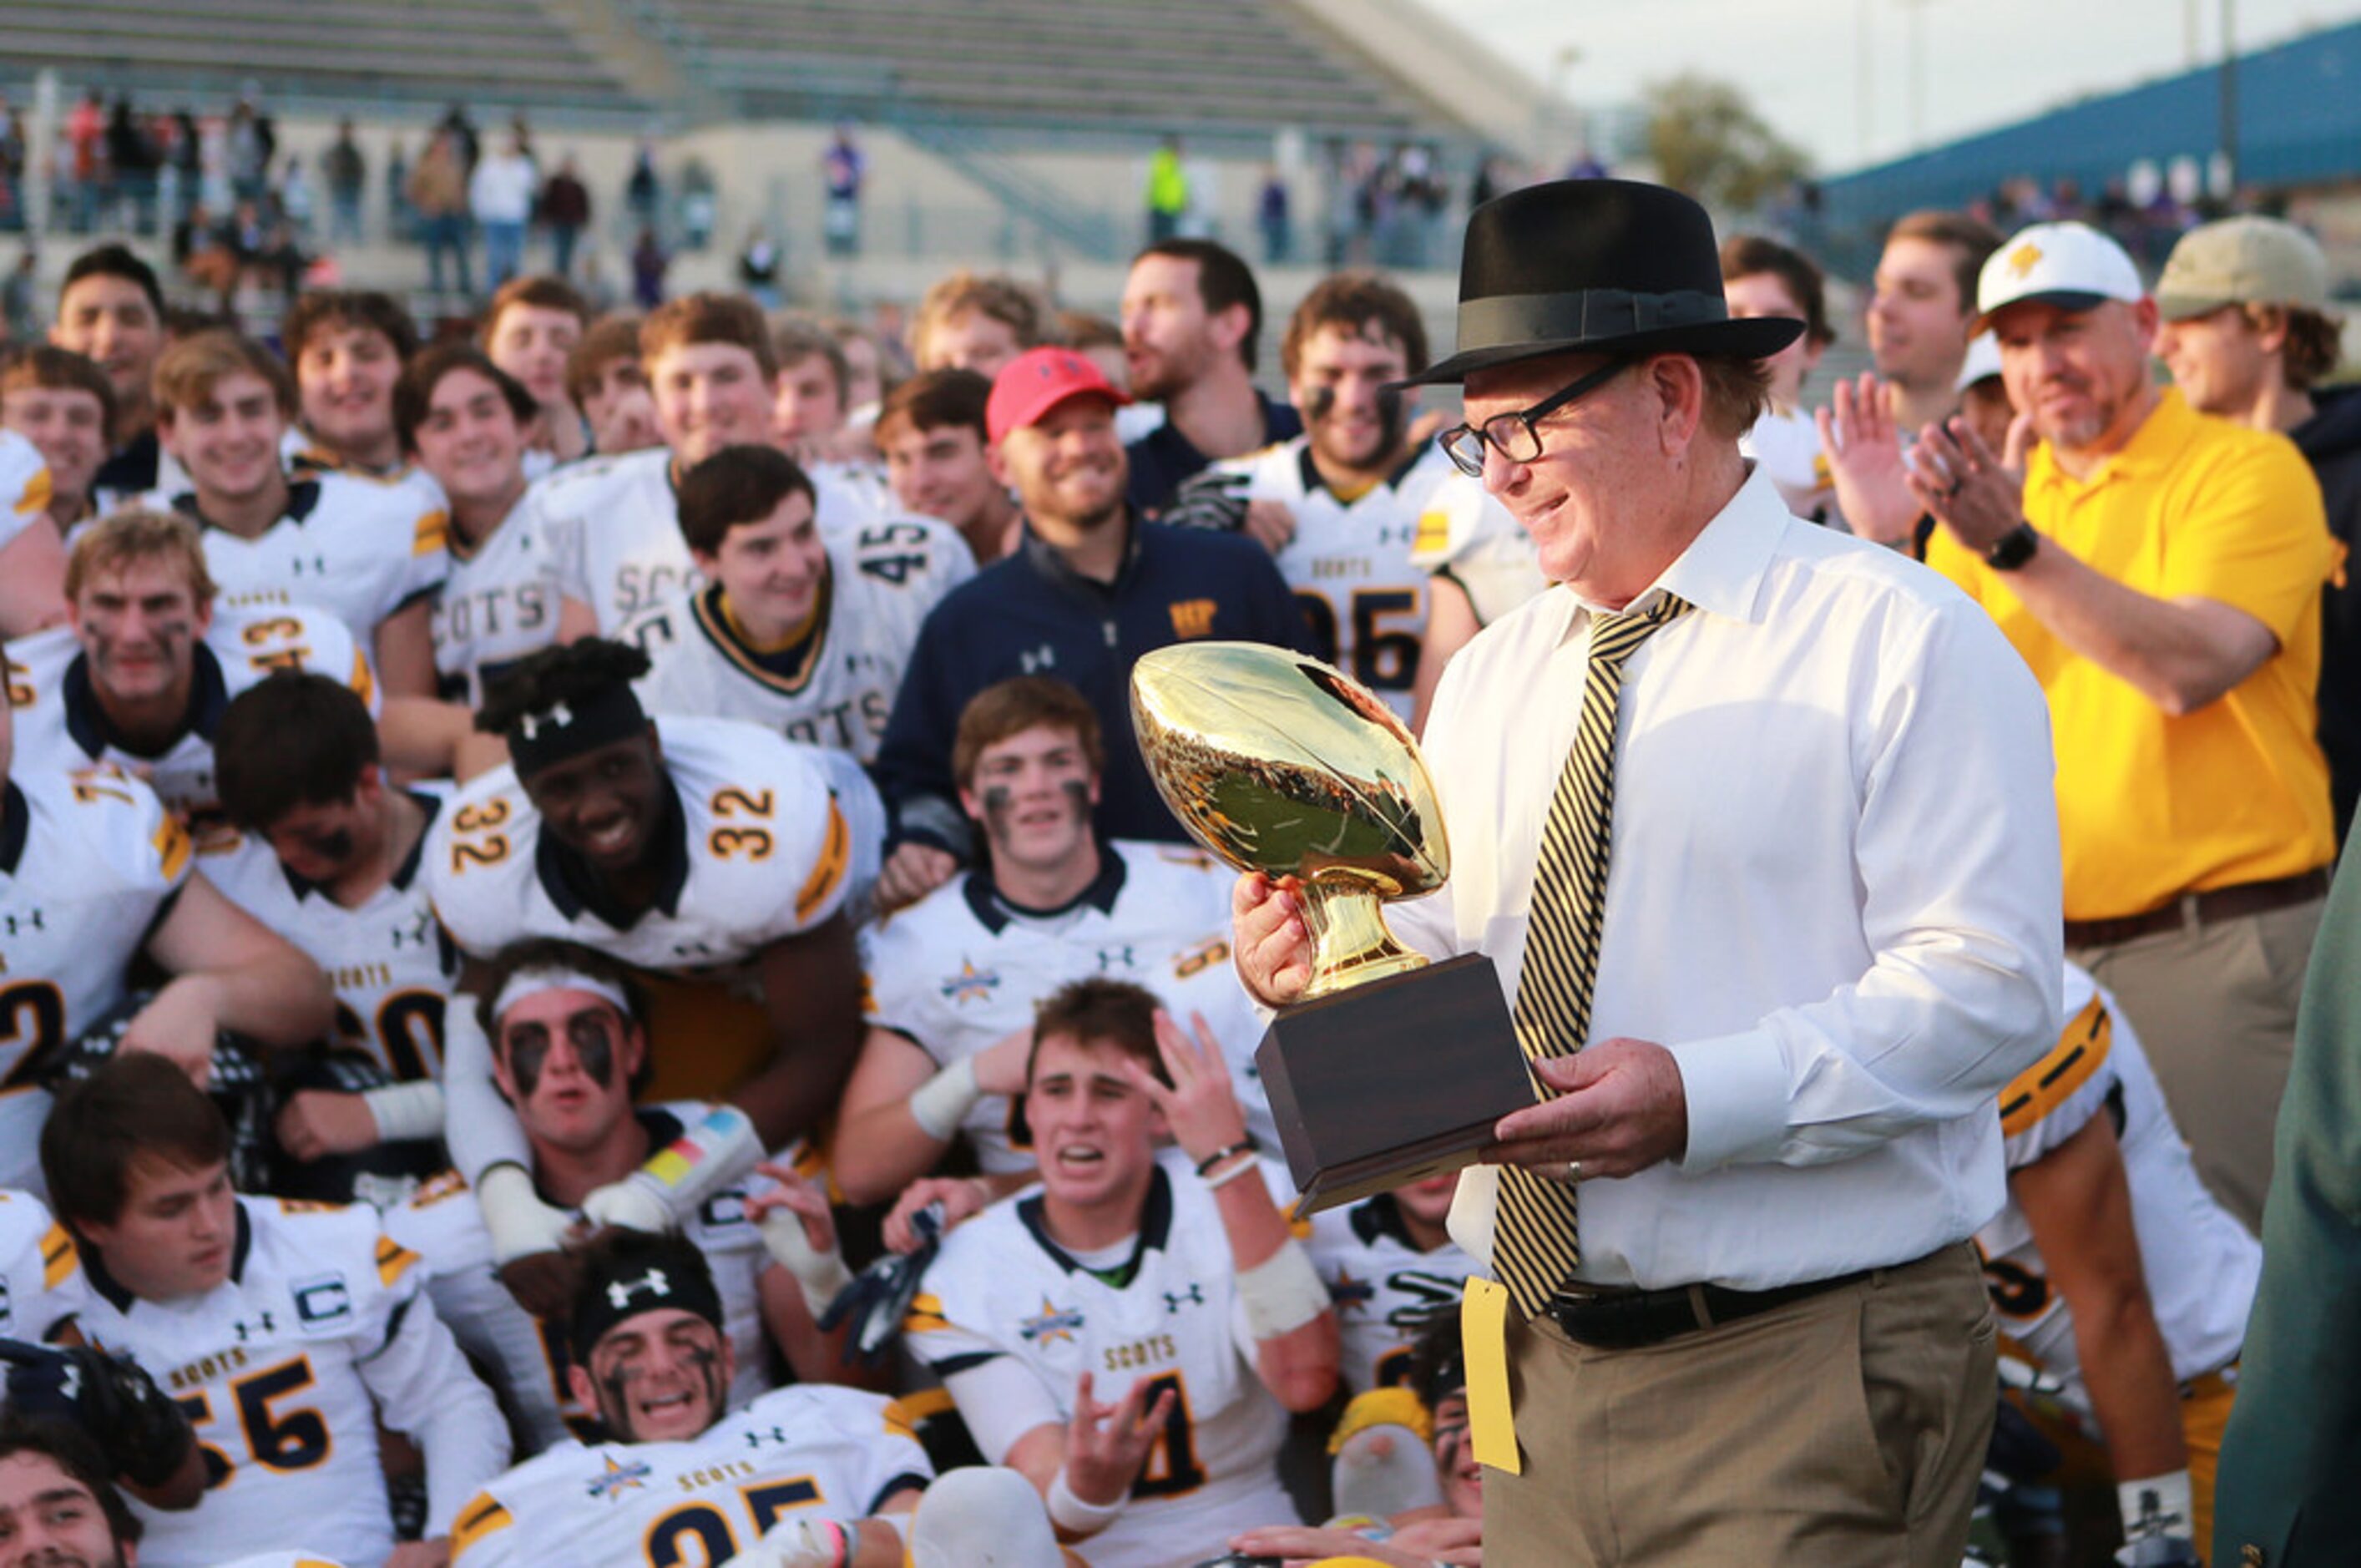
{"points": [[2071, 266], [1982, 360]]}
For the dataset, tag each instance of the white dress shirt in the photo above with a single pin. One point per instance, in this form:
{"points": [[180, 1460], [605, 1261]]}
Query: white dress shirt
{"points": [[1833, 894]]}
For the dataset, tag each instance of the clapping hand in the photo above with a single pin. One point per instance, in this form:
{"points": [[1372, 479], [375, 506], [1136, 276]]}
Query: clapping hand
{"points": [[1975, 492], [1865, 462]]}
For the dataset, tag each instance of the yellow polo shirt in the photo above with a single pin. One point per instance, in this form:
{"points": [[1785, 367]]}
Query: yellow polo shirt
{"points": [[2151, 807]]}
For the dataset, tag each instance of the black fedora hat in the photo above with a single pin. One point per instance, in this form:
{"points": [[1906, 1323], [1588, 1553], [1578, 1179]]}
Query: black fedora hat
{"points": [[1595, 267]]}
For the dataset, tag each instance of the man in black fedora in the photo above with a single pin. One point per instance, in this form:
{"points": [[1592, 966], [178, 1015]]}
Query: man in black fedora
{"points": [[1756, 820]]}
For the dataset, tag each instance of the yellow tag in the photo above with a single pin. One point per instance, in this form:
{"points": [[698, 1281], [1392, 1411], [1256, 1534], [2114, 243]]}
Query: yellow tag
{"points": [[1482, 1333]]}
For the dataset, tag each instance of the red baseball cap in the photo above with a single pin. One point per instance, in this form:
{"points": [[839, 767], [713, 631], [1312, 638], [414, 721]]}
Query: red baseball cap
{"points": [[1037, 380]]}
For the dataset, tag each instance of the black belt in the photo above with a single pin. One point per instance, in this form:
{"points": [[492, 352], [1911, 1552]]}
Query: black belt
{"points": [[1630, 1320]]}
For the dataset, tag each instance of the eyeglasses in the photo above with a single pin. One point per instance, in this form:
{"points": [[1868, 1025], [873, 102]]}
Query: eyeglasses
{"points": [[1517, 436]]}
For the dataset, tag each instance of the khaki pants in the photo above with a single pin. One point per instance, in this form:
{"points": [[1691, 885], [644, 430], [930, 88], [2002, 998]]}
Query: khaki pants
{"points": [[1846, 1429], [2215, 1010]]}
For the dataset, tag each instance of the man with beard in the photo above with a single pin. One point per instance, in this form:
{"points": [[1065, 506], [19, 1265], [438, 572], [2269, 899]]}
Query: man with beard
{"points": [[111, 310], [1091, 589], [2160, 570], [810, 1476], [58, 1509], [1356, 496], [1191, 316]]}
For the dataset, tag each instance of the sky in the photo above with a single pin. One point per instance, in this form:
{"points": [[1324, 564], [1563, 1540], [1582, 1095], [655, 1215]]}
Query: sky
{"points": [[1983, 63]]}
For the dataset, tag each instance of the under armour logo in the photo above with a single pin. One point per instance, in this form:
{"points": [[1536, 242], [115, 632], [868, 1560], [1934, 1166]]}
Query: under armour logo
{"points": [[420, 931], [19, 923], [318, 566], [757, 1438], [621, 1291], [1035, 660], [246, 1330], [1173, 1303], [532, 724], [1111, 957]]}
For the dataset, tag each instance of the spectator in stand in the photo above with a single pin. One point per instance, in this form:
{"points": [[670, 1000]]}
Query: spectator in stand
{"points": [[347, 172], [401, 212], [297, 203], [437, 189], [1167, 192], [565, 213], [844, 169], [14, 144], [978, 322], [1273, 218], [85, 160], [465, 143], [2247, 335], [649, 264], [500, 197], [643, 194], [2160, 570], [1191, 316], [130, 167], [758, 268]]}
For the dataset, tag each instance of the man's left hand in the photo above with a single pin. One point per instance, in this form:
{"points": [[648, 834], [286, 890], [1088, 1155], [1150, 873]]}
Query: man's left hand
{"points": [[1619, 1109], [1201, 1108], [1969, 488]]}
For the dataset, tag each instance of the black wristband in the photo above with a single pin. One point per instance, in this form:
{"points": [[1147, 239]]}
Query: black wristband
{"points": [[1243, 1146], [2013, 548]]}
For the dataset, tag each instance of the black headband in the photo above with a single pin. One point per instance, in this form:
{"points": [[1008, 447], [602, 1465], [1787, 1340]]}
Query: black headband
{"points": [[642, 1280], [538, 740]]}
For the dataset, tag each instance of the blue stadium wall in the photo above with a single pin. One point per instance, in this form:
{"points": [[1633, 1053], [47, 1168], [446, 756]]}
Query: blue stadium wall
{"points": [[2299, 123]]}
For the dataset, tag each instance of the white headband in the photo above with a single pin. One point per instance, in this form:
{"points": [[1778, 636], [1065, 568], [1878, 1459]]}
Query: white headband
{"points": [[533, 982]]}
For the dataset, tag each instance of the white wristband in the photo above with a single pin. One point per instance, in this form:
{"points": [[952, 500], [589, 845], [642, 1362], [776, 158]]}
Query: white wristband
{"points": [[821, 1275], [406, 1111], [519, 1222], [941, 1103], [1281, 1293], [2158, 1506], [1069, 1513]]}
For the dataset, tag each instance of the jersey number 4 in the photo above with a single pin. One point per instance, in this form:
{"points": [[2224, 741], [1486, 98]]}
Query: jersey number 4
{"points": [[698, 1535], [1171, 1466]]}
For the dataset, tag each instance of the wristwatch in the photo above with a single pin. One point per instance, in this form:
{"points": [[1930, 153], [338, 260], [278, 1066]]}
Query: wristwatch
{"points": [[2014, 548]]}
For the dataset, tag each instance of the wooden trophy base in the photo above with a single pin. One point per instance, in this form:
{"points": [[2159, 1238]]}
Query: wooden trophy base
{"points": [[1392, 1081]]}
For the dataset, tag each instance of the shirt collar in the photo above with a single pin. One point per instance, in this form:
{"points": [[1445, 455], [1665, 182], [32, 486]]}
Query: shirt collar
{"points": [[1314, 482], [87, 722], [302, 496], [1722, 570], [1046, 560], [1155, 1224], [16, 821], [1381, 1216], [2155, 446], [993, 912], [574, 885]]}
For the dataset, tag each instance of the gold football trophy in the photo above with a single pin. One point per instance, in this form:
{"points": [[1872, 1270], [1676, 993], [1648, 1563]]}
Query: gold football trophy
{"points": [[1390, 1070]]}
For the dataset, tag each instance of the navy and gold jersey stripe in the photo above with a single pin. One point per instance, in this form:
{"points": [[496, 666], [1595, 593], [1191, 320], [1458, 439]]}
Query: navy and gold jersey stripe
{"points": [[2049, 1083]]}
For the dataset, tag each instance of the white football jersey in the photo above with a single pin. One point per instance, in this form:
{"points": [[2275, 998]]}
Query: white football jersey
{"points": [[443, 1225], [61, 725], [827, 1452], [499, 604], [961, 968], [40, 1274], [89, 862], [837, 689], [24, 485], [1386, 1291], [391, 964], [1002, 1291], [284, 1560], [612, 525], [2201, 1264], [1467, 536], [763, 850], [284, 1369], [358, 547], [1349, 561]]}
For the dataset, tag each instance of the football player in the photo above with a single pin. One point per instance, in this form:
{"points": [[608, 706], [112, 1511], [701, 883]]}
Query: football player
{"points": [[94, 870], [953, 980], [932, 432], [368, 551], [568, 1045], [613, 522], [799, 632], [809, 1476], [1172, 1274], [53, 438], [346, 347], [2115, 1269], [287, 1331], [1390, 1267], [468, 422], [111, 310], [326, 853], [1343, 504], [530, 331], [139, 675], [603, 378], [684, 846]]}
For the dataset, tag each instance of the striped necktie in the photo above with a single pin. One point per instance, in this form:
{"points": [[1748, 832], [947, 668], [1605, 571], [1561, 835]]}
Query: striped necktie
{"points": [[1534, 1248]]}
